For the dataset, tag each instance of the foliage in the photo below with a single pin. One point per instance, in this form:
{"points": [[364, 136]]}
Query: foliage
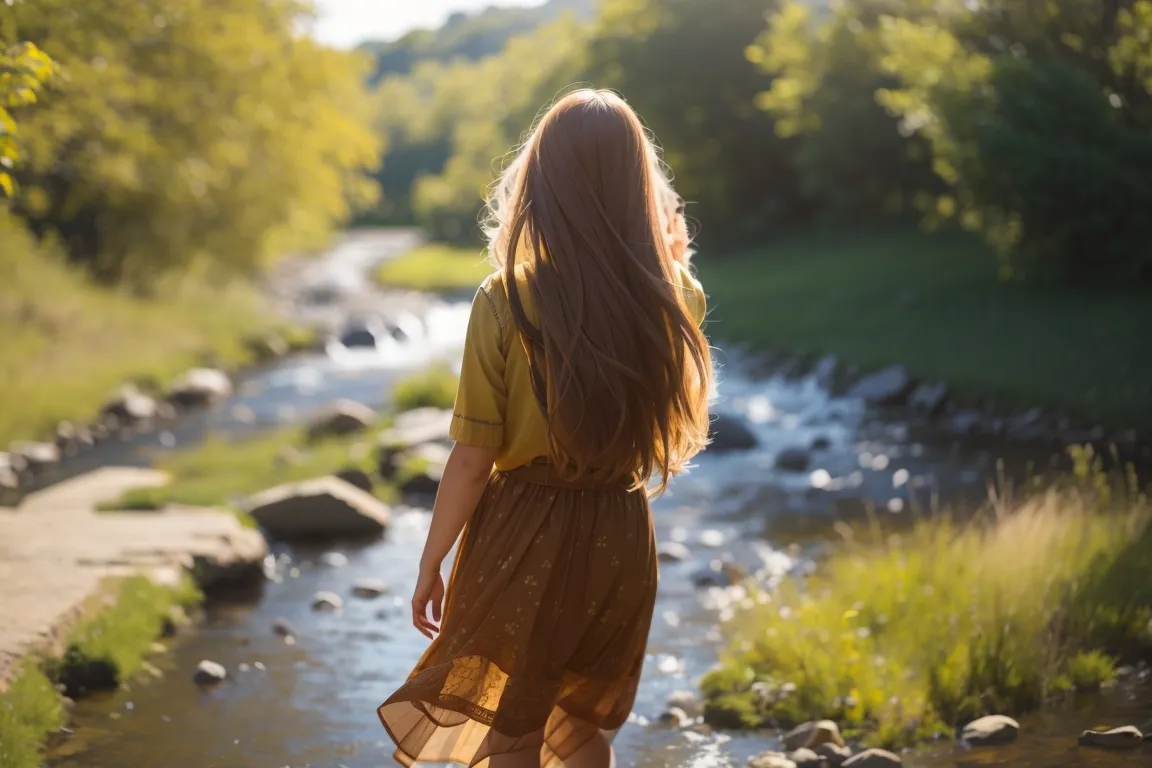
{"points": [[433, 388], [23, 70], [29, 710], [436, 267], [876, 297], [911, 634], [183, 132]]}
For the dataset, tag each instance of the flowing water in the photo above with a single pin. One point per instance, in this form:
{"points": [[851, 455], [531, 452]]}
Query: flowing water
{"points": [[312, 702]]}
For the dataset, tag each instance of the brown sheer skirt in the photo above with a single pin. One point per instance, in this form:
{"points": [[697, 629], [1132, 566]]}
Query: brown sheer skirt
{"points": [[545, 622]]}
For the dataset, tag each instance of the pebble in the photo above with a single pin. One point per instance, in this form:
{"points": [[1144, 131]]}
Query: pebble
{"points": [[685, 700], [369, 588], [675, 717], [334, 559], [282, 628], [327, 601], [672, 552], [712, 538], [991, 730], [806, 758], [1128, 737], [209, 673]]}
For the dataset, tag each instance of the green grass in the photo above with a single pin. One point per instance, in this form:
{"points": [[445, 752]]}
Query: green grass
{"points": [[29, 711], [436, 267], [69, 344], [932, 302], [433, 388], [220, 472], [902, 636]]}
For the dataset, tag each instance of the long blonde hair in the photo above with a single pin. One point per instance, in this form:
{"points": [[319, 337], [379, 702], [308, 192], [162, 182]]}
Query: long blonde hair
{"points": [[619, 365]]}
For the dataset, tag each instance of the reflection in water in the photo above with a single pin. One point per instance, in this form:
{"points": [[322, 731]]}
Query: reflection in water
{"points": [[312, 703]]}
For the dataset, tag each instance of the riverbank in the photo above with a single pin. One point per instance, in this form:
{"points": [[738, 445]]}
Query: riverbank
{"points": [[436, 268]]}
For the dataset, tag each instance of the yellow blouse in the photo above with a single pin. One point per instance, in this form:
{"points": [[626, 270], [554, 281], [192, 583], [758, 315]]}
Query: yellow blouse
{"points": [[495, 405]]}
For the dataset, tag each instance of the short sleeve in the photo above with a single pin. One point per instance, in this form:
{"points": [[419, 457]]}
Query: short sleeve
{"points": [[694, 295], [482, 395]]}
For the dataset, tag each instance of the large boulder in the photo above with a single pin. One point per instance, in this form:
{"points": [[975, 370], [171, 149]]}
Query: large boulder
{"points": [[729, 432], [326, 507], [1128, 737], [338, 418], [200, 386], [887, 386], [234, 560]]}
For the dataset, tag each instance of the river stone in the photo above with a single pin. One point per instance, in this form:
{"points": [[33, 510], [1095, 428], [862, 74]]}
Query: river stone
{"points": [[369, 588], [793, 459], [674, 717], [873, 758], [728, 432], [209, 673], [928, 399], [282, 628], [324, 507], [232, 559], [672, 552], [806, 758], [37, 456], [200, 386], [820, 443], [771, 760], [991, 730], [356, 477], [327, 601], [427, 462], [334, 559], [1128, 737], [888, 386], [419, 425], [128, 406], [687, 701], [812, 735], [717, 573], [833, 753], [339, 418]]}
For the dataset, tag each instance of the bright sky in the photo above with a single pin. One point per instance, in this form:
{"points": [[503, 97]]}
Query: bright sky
{"points": [[345, 23]]}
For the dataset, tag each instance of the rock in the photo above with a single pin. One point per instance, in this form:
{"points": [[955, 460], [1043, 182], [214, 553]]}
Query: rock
{"points": [[1128, 737], [420, 425], [712, 538], [820, 443], [129, 406], [334, 559], [209, 673], [282, 628], [339, 418], [327, 601], [361, 336], [267, 347], [37, 457], [888, 386], [990, 730], [356, 477], [771, 760], [369, 588], [812, 735], [929, 399], [199, 386], [423, 466], [833, 753], [873, 758], [686, 701], [232, 559], [806, 758], [672, 552], [793, 460], [325, 507], [728, 432], [9, 480], [717, 573], [675, 717], [13, 462]]}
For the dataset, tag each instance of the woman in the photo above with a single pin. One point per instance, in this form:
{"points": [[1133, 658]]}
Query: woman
{"points": [[585, 375]]}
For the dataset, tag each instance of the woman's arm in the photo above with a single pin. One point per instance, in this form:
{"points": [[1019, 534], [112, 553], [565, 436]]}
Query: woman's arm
{"points": [[465, 477]]}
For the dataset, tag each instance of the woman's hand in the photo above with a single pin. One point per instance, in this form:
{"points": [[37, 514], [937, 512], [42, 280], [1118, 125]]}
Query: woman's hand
{"points": [[429, 589]]}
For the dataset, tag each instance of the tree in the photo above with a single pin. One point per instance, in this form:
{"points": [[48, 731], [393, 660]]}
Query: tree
{"points": [[24, 68]]}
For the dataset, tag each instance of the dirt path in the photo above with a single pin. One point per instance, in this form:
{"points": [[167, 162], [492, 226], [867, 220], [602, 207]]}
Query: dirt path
{"points": [[56, 552]]}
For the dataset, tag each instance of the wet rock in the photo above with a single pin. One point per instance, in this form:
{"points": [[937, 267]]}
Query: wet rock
{"points": [[325, 507], [128, 407], [327, 601], [71, 439], [712, 538], [334, 559], [820, 443], [361, 336], [339, 418], [806, 758], [991, 730], [1128, 737], [209, 673], [929, 399], [717, 573], [230, 560], [873, 758], [686, 701], [422, 467], [282, 628], [812, 735], [833, 753], [369, 588], [728, 432], [198, 387], [37, 457], [9, 482], [356, 477], [793, 459], [771, 760], [888, 386], [674, 717], [420, 425], [672, 552]]}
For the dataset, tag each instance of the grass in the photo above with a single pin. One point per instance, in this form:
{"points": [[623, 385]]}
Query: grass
{"points": [[932, 303], [902, 637], [220, 472], [69, 344], [29, 711], [436, 267], [432, 388]]}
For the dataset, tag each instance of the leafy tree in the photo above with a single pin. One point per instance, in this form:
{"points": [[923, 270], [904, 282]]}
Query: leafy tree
{"points": [[23, 70], [186, 132]]}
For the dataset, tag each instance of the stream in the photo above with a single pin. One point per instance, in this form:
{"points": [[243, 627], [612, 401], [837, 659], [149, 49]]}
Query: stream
{"points": [[311, 704]]}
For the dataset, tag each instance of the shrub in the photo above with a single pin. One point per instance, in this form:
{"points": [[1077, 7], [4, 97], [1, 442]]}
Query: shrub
{"points": [[435, 388]]}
